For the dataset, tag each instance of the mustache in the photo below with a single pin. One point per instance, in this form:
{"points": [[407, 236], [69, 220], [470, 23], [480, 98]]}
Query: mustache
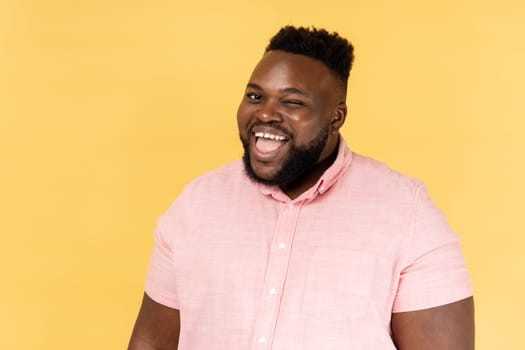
{"points": [[273, 125]]}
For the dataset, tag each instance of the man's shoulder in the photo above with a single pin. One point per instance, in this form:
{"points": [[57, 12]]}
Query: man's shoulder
{"points": [[221, 179], [373, 175]]}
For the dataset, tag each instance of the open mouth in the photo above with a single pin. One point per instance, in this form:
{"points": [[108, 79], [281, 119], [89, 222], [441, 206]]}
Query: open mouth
{"points": [[268, 144]]}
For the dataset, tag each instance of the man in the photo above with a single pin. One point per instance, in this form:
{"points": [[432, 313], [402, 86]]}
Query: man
{"points": [[304, 245]]}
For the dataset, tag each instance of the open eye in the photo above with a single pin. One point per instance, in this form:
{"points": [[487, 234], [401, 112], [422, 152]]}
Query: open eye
{"points": [[253, 97]]}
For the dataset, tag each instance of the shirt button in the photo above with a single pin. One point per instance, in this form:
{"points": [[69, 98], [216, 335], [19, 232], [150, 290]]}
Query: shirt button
{"points": [[290, 206], [273, 291], [282, 245], [262, 340], [321, 188]]}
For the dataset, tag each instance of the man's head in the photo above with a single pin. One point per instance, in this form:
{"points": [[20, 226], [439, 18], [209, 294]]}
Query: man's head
{"points": [[294, 106], [333, 50]]}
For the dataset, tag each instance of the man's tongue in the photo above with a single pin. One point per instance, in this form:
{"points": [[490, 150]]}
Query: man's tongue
{"points": [[267, 146]]}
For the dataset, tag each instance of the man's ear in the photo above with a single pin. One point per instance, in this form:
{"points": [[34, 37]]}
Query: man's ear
{"points": [[339, 116]]}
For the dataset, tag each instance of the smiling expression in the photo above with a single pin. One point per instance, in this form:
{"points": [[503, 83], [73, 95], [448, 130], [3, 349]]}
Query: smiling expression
{"points": [[291, 104]]}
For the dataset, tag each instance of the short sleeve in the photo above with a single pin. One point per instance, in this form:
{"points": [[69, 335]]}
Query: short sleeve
{"points": [[434, 272], [160, 280]]}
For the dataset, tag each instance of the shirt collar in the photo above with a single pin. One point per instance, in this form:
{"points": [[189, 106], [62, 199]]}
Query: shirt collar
{"points": [[325, 182]]}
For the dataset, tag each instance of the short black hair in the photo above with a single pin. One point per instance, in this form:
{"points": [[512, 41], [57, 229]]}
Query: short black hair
{"points": [[336, 52]]}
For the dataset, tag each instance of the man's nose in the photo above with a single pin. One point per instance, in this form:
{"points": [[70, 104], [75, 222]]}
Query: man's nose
{"points": [[269, 112]]}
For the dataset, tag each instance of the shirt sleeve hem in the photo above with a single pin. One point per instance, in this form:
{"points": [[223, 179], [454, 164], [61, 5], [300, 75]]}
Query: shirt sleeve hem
{"points": [[162, 297], [424, 302]]}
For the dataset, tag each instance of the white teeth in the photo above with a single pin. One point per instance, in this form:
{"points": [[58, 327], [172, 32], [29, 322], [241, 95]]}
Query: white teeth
{"points": [[270, 136]]}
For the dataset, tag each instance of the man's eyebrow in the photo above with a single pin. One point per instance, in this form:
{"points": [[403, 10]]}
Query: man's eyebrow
{"points": [[288, 90], [292, 90], [254, 86]]}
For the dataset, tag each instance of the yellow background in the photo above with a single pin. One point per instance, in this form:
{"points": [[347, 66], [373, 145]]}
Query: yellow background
{"points": [[107, 108]]}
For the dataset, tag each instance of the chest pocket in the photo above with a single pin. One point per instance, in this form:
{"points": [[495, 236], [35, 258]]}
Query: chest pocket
{"points": [[338, 285]]}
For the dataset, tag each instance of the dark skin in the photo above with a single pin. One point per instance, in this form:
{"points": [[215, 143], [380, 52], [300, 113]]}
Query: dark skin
{"points": [[447, 327], [303, 96], [157, 327]]}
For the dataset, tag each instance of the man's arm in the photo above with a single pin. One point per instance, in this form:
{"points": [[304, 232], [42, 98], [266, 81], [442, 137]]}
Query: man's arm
{"points": [[157, 327], [447, 327]]}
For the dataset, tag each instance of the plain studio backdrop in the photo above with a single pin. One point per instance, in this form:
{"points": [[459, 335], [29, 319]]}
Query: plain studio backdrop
{"points": [[107, 108]]}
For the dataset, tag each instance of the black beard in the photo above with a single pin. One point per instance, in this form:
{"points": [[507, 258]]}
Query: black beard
{"points": [[300, 162]]}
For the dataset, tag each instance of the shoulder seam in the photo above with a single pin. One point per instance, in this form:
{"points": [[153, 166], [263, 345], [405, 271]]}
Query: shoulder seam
{"points": [[411, 229]]}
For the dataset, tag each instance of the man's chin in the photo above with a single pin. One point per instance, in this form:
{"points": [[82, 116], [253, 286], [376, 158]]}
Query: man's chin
{"points": [[259, 173], [262, 175], [267, 178]]}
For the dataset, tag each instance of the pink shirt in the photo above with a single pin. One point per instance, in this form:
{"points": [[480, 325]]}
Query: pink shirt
{"points": [[248, 268]]}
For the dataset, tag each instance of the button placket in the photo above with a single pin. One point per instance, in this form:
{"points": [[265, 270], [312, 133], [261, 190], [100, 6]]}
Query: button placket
{"points": [[275, 278]]}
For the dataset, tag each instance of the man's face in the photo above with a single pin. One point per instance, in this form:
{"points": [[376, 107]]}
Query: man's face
{"points": [[289, 117]]}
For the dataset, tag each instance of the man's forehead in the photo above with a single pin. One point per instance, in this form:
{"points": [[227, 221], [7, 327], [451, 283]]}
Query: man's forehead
{"points": [[292, 70]]}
